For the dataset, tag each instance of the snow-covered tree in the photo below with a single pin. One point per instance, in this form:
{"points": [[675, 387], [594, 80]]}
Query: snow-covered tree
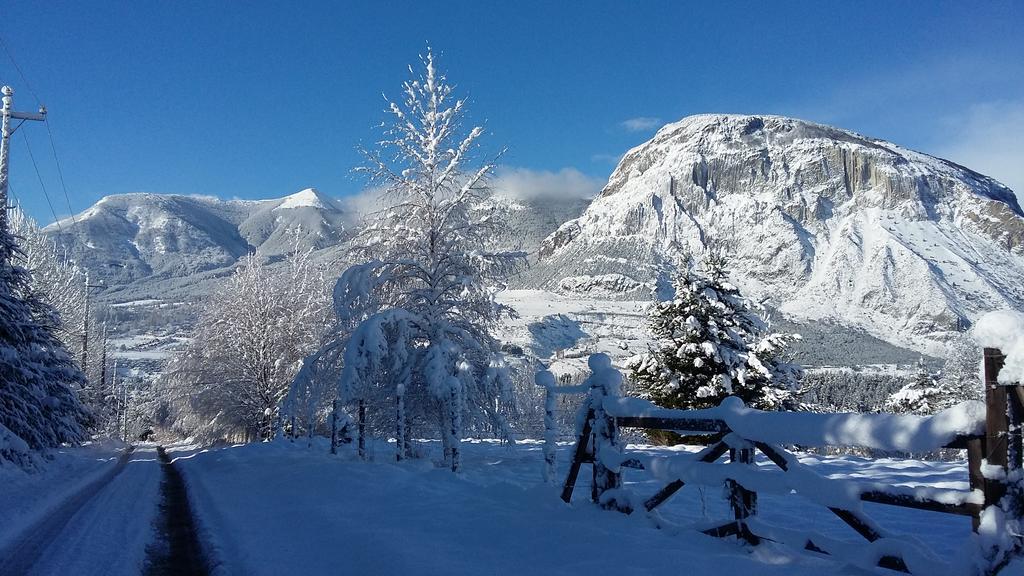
{"points": [[249, 344], [711, 344], [59, 282], [959, 381], [422, 305], [918, 396], [39, 407], [961, 377], [53, 275]]}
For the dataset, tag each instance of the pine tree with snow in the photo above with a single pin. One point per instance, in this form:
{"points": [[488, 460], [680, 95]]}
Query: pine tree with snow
{"points": [[55, 279], [39, 407], [961, 377], [423, 305], [959, 381], [711, 344]]}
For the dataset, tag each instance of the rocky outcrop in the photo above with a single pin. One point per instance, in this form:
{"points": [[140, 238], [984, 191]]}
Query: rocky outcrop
{"points": [[817, 221]]}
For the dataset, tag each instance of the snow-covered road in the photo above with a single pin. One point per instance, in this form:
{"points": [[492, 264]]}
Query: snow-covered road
{"points": [[103, 530], [281, 508]]}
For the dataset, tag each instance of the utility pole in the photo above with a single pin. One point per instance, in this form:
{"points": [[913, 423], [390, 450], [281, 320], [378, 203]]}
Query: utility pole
{"points": [[8, 113], [85, 325], [103, 358]]}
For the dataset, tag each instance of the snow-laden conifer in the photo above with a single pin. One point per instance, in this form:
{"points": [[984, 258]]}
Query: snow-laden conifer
{"points": [[422, 304], [39, 407], [959, 381], [711, 344]]}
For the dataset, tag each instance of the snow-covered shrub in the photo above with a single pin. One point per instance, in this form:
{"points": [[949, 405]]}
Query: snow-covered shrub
{"points": [[959, 381]]}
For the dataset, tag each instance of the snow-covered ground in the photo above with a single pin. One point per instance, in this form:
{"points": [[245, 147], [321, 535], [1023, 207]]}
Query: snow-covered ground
{"points": [[27, 497], [91, 512], [563, 330], [285, 508]]}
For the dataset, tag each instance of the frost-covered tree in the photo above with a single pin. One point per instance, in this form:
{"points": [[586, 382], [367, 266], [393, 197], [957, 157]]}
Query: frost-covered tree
{"points": [[959, 381], [919, 396], [59, 282], [53, 275], [249, 344], [39, 407], [711, 344], [422, 304], [961, 377]]}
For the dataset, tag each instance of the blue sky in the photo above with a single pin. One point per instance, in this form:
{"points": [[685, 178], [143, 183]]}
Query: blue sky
{"points": [[261, 99]]}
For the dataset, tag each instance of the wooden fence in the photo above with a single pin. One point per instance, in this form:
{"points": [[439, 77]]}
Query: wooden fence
{"points": [[992, 439]]}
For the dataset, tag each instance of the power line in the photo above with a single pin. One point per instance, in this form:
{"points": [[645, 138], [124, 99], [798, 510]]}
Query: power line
{"points": [[60, 173], [24, 80], [41, 184], [49, 131]]}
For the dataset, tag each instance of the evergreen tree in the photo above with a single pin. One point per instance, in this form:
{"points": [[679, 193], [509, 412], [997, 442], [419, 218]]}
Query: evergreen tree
{"points": [[712, 345], [959, 381], [423, 305], [39, 408], [961, 377]]}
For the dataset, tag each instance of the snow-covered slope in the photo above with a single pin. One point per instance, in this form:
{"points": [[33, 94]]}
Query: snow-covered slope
{"points": [[317, 219], [818, 222], [128, 237]]}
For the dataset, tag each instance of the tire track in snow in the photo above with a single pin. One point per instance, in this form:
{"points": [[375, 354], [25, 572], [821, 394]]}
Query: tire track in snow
{"points": [[178, 552], [38, 548]]}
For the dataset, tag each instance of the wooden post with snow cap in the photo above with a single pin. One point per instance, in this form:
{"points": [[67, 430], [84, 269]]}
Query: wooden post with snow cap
{"points": [[546, 380], [605, 382], [334, 426], [997, 428]]}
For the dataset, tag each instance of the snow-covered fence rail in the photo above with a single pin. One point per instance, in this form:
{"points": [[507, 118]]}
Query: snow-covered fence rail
{"points": [[990, 432]]}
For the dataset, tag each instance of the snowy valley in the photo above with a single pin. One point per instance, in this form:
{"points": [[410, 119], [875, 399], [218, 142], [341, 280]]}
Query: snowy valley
{"points": [[749, 344]]}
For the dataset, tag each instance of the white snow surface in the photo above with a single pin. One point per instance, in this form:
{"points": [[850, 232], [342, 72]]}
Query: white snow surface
{"points": [[27, 496], [283, 508], [1004, 329], [307, 198], [106, 536], [896, 432], [279, 507]]}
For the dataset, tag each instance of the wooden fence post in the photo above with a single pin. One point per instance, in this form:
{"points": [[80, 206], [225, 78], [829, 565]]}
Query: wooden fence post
{"points": [[362, 429], [334, 426], [1015, 412], [997, 425], [743, 501], [550, 436], [975, 453]]}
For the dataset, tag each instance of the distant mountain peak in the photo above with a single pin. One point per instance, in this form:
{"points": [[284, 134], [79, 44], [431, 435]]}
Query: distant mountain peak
{"points": [[818, 222], [307, 198]]}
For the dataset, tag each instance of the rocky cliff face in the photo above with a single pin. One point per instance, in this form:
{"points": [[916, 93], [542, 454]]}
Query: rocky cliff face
{"points": [[817, 222]]}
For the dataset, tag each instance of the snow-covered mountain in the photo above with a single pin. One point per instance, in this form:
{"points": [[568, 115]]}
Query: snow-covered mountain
{"points": [[175, 247], [129, 237], [818, 222]]}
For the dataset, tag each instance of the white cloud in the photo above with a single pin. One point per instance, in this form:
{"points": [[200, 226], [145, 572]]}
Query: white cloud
{"points": [[525, 183], [641, 124], [365, 202], [508, 182], [989, 138]]}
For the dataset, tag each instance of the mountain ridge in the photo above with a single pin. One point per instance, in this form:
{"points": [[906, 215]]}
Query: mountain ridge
{"points": [[818, 222]]}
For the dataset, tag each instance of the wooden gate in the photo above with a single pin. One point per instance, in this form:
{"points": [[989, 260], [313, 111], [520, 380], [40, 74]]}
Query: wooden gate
{"points": [[990, 434]]}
